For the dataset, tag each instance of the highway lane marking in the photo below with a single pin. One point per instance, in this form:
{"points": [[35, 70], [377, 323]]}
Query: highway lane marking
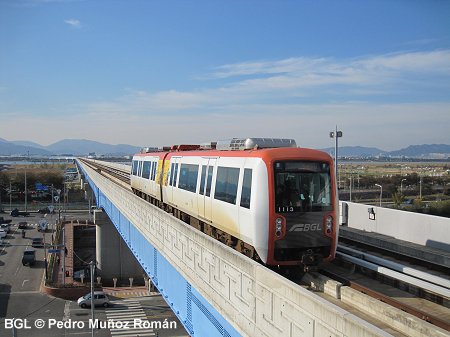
{"points": [[23, 283], [127, 311], [4, 242], [66, 316]]}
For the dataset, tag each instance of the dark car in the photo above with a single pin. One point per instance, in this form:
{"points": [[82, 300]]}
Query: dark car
{"points": [[15, 213], [3, 220], [29, 257], [37, 243], [46, 210], [23, 225]]}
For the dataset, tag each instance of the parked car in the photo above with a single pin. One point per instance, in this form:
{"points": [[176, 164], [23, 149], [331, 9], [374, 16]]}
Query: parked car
{"points": [[6, 227], [100, 299], [37, 243], [2, 233], [46, 210], [29, 257], [22, 225], [15, 213], [3, 220]]}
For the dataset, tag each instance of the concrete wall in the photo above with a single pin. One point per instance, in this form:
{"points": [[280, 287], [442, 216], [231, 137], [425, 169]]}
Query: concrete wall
{"points": [[426, 230]]}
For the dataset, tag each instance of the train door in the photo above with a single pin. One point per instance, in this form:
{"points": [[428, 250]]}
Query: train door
{"points": [[162, 177], [154, 187], [150, 182], [204, 195], [145, 176], [174, 168]]}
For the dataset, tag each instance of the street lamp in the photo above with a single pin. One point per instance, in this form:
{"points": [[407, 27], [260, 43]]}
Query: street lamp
{"points": [[350, 187], [420, 189], [401, 186], [336, 134], [381, 192], [26, 192], [92, 270]]}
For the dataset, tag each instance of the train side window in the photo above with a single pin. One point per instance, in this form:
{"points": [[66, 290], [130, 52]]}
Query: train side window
{"points": [[152, 177], [172, 169], [188, 177], [146, 170], [209, 181], [175, 175], [154, 170], [151, 170], [246, 188], [227, 184], [141, 163], [134, 167], [202, 180]]}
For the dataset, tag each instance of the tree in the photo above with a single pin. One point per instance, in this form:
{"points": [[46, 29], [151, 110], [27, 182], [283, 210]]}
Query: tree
{"points": [[397, 199]]}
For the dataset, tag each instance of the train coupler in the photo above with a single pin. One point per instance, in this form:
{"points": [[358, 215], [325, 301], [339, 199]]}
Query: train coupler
{"points": [[311, 261]]}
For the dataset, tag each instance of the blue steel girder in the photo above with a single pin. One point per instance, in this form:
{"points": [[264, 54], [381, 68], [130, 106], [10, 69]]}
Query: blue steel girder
{"points": [[197, 316]]}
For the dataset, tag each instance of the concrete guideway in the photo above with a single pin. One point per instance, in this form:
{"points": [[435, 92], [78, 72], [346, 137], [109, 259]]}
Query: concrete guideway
{"points": [[224, 289], [408, 324]]}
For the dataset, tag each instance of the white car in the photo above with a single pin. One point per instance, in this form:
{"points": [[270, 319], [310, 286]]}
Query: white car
{"points": [[100, 299], [6, 227], [2, 233]]}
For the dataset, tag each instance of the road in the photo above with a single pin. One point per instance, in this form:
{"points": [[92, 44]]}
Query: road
{"points": [[20, 278], [24, 311], [19, 285]]}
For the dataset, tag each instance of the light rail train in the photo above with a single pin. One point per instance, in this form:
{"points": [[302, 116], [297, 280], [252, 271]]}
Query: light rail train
{"points": [[267, 198]]}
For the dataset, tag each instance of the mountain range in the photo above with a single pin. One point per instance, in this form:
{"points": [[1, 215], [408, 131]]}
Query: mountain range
{"points": [[425, 151], [76, 147], [83, 147]]}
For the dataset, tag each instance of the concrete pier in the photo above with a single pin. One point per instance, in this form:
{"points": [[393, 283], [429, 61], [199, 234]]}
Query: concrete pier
{"points": [[114, 258]]}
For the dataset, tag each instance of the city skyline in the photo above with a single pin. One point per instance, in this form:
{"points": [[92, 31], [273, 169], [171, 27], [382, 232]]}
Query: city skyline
{"points": [[157, 72]]}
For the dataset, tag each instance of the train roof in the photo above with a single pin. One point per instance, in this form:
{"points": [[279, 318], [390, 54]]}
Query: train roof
{"points": [[266, 154], [267, 148]]}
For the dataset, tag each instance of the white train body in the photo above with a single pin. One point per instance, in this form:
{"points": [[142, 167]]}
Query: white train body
{"points": [[234, 192]]}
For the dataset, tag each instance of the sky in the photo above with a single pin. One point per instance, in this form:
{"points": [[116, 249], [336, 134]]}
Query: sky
{"points": [[162, 72]]}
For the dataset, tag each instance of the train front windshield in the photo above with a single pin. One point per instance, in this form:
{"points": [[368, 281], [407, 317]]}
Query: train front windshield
{"points": [[302, 186]]}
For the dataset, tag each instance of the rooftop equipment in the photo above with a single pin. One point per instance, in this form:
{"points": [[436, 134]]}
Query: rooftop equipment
{"points": [[208, 146], [185, 147], [149, 149], [254, 143]]}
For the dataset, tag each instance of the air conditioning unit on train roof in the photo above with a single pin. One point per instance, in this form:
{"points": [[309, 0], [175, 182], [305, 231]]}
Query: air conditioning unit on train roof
{"points": [[208, 146], [254, 143], [149, 149]]}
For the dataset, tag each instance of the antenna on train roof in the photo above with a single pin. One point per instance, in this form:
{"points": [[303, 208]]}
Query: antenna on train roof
{"points": [[254, 143]]}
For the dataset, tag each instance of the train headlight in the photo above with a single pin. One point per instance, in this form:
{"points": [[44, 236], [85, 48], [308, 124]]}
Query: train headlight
{"points": [[278, 226], [329, 224]]}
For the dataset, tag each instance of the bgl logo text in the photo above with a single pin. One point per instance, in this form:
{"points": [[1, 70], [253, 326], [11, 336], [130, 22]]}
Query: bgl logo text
{"points": [[306, 227]]}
